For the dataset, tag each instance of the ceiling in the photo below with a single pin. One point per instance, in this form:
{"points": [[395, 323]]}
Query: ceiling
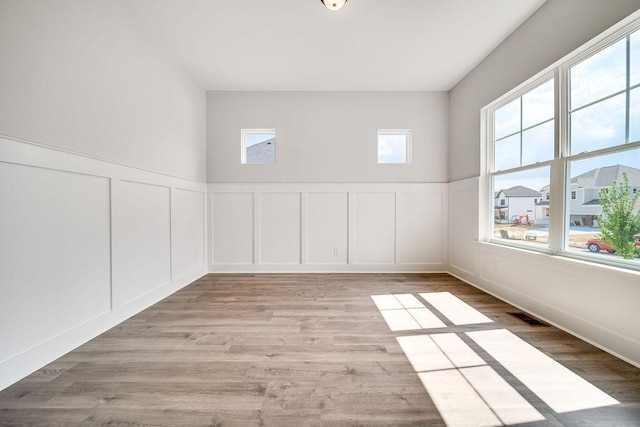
{"points": [[379, 45]]}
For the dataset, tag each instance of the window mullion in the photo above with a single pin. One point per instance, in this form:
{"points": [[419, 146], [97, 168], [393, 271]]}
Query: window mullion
{"points": [[557, 223], [628, 94], [561, 172], [521, 132]]}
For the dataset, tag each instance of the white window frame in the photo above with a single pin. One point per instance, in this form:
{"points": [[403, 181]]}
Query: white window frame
{"points": [[406, 133], [243, 144], [559, 173]]}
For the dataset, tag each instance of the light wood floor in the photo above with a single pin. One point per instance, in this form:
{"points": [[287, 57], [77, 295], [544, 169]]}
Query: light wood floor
{"points": [[282, 350]]}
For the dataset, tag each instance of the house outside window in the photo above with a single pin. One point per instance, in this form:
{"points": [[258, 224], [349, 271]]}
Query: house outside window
{"points": [[573, 129], [258, 146]]}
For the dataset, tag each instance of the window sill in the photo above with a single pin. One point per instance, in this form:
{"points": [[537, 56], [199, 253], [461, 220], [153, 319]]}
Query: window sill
{"points": [[574, 259]]}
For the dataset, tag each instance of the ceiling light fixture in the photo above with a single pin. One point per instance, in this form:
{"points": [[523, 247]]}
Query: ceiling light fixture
{"points": [[334, 4]]}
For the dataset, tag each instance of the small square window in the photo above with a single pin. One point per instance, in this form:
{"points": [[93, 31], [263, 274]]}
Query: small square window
{"points": [[573, 195], [258, 146], [394, 146]]}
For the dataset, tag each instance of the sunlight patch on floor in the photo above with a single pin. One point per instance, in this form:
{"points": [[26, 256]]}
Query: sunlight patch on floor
{"points": [[425, 318], [458, 403], [386, 302], [557, 386], [456, 310], [399, 320], [466, 391], [464, 388], [503, 399], [404, 312]]}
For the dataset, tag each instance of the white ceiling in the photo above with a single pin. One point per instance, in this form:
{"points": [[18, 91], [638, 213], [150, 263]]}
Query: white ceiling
{"points": [[393, 45]]}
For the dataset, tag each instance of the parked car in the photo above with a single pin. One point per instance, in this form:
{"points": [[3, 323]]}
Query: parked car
{"points": [[596, 245]]}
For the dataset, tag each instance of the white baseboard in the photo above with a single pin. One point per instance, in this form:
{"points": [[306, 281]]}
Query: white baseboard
{"points": [[23, 364]]}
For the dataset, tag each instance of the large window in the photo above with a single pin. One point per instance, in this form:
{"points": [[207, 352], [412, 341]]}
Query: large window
{"points": [[564, 153], [523, 147]]}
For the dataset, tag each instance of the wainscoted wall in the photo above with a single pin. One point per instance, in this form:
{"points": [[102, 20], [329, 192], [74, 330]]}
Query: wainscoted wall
{"points": [[596, 303], [328, 227], [85, 244]]}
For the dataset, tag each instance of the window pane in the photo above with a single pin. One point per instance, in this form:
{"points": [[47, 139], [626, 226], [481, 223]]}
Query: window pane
{"points": [[537, 144], [523, 215], [635, 58], [507, 153], [537, 105], [507, 119], [588, 178], [598, 126], [600, 75], [634, 116], [392, 148], [259, 146]]}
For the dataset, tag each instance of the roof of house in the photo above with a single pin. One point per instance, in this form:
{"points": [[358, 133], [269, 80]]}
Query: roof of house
{"points": [[543, 203], [592, 202], [605, 176], [520, 191]]}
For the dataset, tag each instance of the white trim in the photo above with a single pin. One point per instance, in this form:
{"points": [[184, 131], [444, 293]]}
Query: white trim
{"points": [[426, 259]]}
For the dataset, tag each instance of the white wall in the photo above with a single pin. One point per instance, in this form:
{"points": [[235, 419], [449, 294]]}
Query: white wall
{"points": [[326, 205], [86, 244], [594, 302], [327, 136], [90, 235], [328, 227], [79, 75], [553, 31]]}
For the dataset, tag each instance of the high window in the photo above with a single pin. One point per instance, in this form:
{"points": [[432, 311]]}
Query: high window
{"points": [[394, 146], [558, 145], [258, 146]]}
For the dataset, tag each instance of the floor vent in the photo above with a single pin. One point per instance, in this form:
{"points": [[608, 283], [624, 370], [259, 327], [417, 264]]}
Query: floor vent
{"points": [[529, 320]]}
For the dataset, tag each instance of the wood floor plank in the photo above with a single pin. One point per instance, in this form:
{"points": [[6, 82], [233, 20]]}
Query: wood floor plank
{"points": [[287, 350]]}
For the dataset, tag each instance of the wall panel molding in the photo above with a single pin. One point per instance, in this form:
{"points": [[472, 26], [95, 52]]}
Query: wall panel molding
{"points": [[91, 243], [463, 226], [141, 239], [328, 227]]}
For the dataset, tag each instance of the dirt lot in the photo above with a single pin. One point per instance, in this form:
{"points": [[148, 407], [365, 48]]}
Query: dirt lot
{"points": [[519, 232]]}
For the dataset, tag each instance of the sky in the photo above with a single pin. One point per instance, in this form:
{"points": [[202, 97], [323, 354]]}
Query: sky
{"points": [[392, 148], [595, 122], [253, 139]]}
